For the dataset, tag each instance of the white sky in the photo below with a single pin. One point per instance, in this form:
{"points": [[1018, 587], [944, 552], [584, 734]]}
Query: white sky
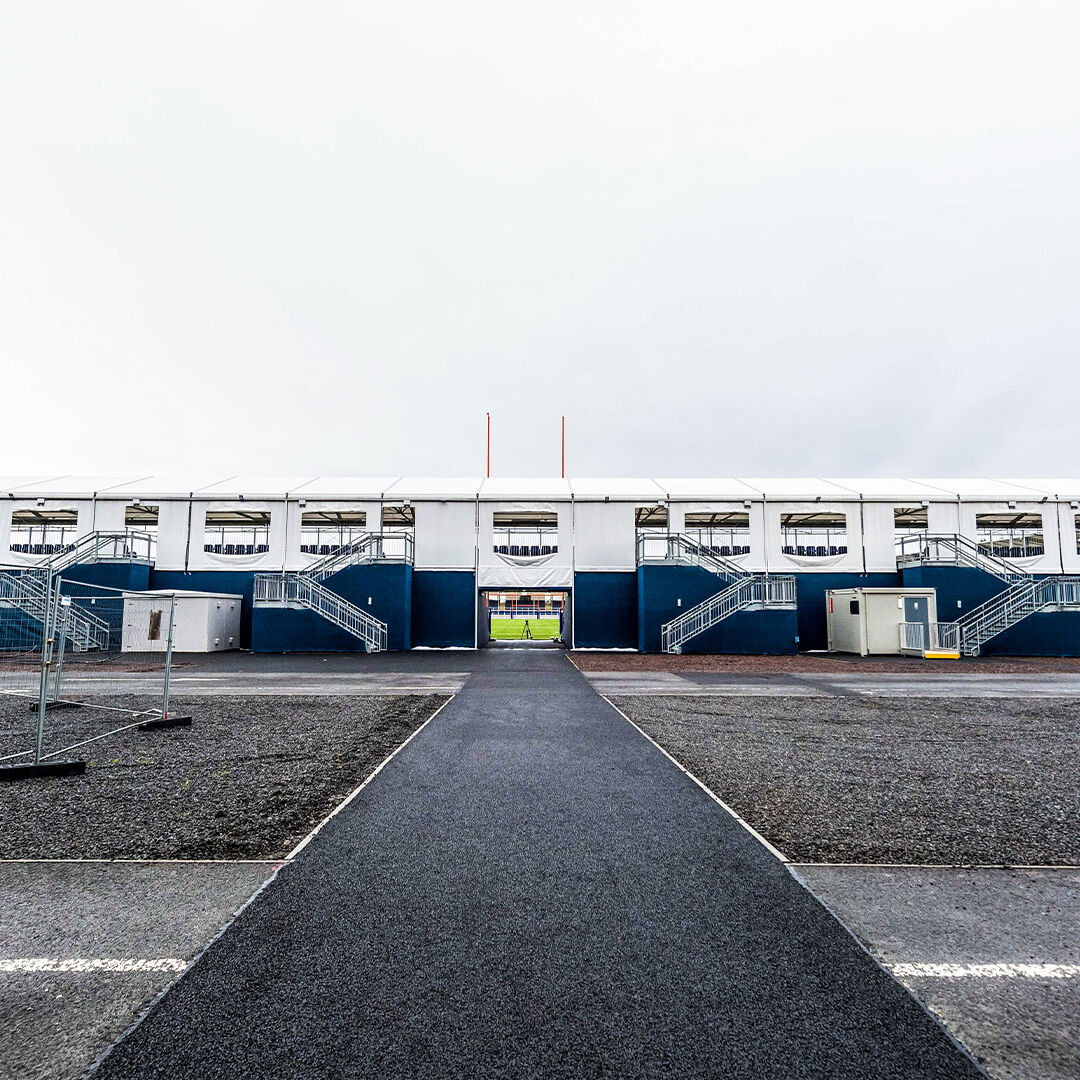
{"points": [[723, 238]]}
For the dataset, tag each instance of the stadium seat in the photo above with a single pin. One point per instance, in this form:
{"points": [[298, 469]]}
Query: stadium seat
{"points": [[534, 550], [230, 549], [842, 549], [788, 549], [725, 550], [821, 550], [324, 549], [515, 549], [546, 549], [800, 550]]}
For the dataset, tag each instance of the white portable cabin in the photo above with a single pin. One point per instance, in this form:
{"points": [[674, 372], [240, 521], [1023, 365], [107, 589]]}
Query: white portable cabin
{"points": [[869, 621], [203, 622]]}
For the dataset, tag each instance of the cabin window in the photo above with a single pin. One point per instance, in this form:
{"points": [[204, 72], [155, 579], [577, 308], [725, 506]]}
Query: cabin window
{"points": [[326, 532], [525, 533], [43, 532], [237, 532], [723, 533], [1010, 535], [816, 535]]}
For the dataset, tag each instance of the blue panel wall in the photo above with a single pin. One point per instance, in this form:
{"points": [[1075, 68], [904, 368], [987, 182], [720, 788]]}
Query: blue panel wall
{"points": [[606, 610], [281, 630], [443, 608], [754, 632], [1046, 633], [964, 584], [384, 591], [111, 575], [810, 594]]}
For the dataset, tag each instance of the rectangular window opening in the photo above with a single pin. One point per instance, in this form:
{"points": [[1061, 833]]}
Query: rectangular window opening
{"points": [[910, 519], [814, 535], [525, 534], [43, 532], [722, 532], [237, 532], [326, 532], [1010, 535]]}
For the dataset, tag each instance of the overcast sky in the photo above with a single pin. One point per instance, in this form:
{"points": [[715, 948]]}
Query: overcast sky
{"points": [[722, 238]]}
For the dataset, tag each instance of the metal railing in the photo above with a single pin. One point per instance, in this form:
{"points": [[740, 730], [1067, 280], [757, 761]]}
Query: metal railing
{"points": [[679, 547], [370, 547], [299, 588], [29, 592], [119, 546], [751, 591], [951, 549], [1021, 599], [918, 637]]}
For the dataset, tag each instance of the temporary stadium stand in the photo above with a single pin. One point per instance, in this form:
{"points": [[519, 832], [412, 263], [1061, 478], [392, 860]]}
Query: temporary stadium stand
{"points": [[758, 586]]}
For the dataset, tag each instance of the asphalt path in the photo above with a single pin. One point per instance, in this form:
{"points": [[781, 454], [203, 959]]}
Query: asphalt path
{"points": [[531, 889]]}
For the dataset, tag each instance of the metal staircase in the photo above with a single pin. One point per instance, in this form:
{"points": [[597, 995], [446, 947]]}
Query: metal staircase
{"points": [[295, 589], [1024, 594], [1017, 602], [743, 590], [304, 588], [29, 593]]}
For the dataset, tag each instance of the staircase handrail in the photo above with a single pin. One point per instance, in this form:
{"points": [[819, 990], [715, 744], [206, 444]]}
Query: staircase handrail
{"points": [[680, 547], [30, 594], [368, 547], [295, 586], [126, 544], [957, 550]]}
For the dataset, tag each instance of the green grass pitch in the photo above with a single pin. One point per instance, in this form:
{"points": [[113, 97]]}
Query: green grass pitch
{"points": [[511, 629]]}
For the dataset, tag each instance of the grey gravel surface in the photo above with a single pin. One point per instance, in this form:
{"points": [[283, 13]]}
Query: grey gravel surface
{"points": [[530, 890], [56, 1023], [944, 781], [248, 779], [1022, 1027]]}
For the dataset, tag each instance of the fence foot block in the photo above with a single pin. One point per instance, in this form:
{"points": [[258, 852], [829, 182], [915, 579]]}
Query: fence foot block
{"points": [[50, 705], [27, 771], [165, 722]]}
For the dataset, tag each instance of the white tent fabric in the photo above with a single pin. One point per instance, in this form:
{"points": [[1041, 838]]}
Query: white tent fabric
{"points": [[445, 535]]}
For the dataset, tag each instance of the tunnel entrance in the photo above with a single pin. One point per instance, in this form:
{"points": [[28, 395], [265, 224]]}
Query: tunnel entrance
{"points": [[525, 617]]}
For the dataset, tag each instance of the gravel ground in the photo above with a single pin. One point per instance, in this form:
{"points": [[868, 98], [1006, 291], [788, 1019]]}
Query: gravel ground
{"points": [[804, 662], [955, 781], [248, 780]]}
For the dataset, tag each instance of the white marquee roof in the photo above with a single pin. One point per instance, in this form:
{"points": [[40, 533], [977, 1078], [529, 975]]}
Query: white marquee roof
{"points": [[723, 489]]}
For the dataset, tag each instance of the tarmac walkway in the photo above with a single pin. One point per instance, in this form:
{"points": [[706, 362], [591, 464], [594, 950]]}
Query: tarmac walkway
{"points": [[530, 888]]}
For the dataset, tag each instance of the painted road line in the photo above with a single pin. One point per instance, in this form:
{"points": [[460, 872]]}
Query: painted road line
{"points": [[986, 971], [83, 965]]}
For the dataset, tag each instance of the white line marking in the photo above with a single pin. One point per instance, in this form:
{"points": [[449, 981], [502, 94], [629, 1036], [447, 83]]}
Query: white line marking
{"points": [[712, 794], [986, 971], [356, 791], [140, 862], [938, 866], [83, 965]]}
